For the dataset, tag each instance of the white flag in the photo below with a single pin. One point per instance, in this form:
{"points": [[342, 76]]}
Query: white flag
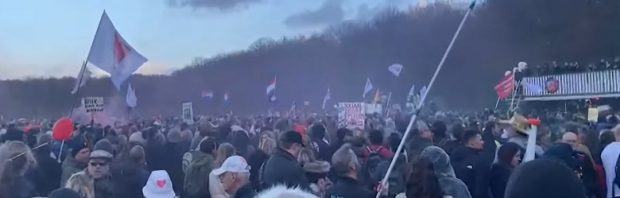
{"points": [[81, 79], [111, 53], [411, 94], [367, 88], [132, 100], [396, 69], [328, 96]]}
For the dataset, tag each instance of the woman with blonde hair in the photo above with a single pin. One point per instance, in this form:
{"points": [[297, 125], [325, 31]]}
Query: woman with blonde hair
{"points": [[82, 184], [216, 188], [266, 145], [15, 159]]}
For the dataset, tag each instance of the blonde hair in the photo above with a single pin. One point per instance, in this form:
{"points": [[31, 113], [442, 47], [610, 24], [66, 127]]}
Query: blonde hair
{"points": [[16, 158], [266, 143], [224, 151], [82, 184], [306, 155]]}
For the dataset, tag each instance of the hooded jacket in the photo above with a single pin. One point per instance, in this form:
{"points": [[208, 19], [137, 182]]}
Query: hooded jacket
{"points": [[445, 173]]}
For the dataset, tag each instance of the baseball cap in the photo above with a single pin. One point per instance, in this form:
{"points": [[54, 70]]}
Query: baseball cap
{"points": [[159, 185], [235, 164]]}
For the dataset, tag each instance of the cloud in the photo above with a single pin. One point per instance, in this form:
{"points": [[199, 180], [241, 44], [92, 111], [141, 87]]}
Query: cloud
{"points": [[215, 4], [367, 12], [329, 13]]}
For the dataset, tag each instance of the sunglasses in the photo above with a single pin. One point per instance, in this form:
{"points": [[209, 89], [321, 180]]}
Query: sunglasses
{"points": [[98, 164]]}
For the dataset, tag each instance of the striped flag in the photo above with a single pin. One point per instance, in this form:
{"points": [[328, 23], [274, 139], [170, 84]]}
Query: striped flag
{"points": [[271, 90], [207, 94], [505, 87]]}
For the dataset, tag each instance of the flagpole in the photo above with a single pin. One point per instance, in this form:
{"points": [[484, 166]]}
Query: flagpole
{"points": [[425, 94], [497, 103], [387, 112], [81, 75]]}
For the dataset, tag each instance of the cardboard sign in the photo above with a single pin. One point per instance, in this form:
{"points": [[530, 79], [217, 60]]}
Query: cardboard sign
{"points": [[93, 104], [592, 114], [351, 115], [188, 113]]}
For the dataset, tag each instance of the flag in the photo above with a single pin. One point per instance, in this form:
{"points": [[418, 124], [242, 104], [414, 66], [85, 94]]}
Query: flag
{"points": [[328, 96], [81, 79], [533, 88], [377, 98], [505, 87], [367, 87], [411, 94], [226, 96], [396, 69], [131, 99], [422, 91], [271, 90], [472, 5], [207, 94], [111, 53], [291, 111]]}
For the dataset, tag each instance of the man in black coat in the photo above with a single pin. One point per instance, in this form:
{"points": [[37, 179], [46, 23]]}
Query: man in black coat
{"points": [[319, 144], [347, 165], [282, 167], [472, 165]]}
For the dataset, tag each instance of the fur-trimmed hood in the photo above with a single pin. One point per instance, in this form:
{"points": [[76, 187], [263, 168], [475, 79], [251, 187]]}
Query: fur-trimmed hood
{"points": [[281, 191]]}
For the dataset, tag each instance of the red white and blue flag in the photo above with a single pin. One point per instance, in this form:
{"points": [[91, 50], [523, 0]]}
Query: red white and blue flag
{"points": [[271, 90], [207, 94]]}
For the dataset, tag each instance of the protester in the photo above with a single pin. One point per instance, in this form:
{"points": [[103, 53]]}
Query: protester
{"points": [[76, 162], [444, 172], [155, 147], [234, 175], [266, 146], [175, 148], [609, 157], [196, 183], [516, 131], [470, 164], [317, 171], [98, 170], [48, 169], [342, 135], [543, 178], [216, 188], [224, 151], [422, 181], [320, 146], [82, 184], [508, 158], [158, 185], [16, 160], [441, 137], [346, 165], [282, 167], [134, 175], [582, 166], [422, 138]]}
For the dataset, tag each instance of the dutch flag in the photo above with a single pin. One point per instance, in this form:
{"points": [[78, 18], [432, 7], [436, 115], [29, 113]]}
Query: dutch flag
{"points": [[271, 90]]}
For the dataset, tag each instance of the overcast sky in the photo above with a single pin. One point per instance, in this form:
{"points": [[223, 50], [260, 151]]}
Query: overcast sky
{"points": [[43, 38]]}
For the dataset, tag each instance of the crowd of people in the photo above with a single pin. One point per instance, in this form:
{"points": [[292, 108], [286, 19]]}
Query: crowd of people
{"points": [[310, 156], [556, 67]]}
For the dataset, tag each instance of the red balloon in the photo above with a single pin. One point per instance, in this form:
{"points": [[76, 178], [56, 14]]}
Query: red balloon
{"points": [[533, 121], [63, 129]]}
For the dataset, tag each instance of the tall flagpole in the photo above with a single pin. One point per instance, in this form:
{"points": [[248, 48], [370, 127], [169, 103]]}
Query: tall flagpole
{"points": [[430, 85]]}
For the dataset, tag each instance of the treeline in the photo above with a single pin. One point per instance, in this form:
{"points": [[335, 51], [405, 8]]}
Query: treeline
{"points": [[499, 34]]}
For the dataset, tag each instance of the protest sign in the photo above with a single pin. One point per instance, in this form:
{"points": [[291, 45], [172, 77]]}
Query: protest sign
{"points": [[188, 113], [592, 114], [351, 115], [93, 104]]}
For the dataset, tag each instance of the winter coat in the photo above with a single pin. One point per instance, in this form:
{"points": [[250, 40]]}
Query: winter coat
{"points": [[245, 192], [196, 181], [190, 157], [69, 167], [216, 188], [255, 161], [154, 159], [130, 178], [48, 169], [347, 187], [174, 166], [283, 168], [321, 149], [499, 179], [445, 173], [471, 168], [18, 187], [104, 187]]}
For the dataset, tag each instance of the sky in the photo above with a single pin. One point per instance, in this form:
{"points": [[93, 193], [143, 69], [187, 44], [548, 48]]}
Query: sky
{"points": [[51, 38]]}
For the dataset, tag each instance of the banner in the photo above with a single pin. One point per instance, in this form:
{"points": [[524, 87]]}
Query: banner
{"points": [[188, 113], [572, 86], [593, 114], [93, 104], [351, 115]]}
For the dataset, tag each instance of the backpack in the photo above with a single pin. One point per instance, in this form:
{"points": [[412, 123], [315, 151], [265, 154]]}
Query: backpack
{"points": [[196, 183], [373, 161]]}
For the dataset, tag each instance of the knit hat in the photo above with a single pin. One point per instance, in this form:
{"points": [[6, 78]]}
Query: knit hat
{"points": [[103, 149], [544, 178], [159, 185], [64, 193]]}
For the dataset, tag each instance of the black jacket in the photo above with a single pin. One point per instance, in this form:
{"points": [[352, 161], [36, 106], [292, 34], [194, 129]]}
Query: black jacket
{"points": [[283, 168], [129, 179], [255, 161], [346, 187], [321, 149], [499, 179], [471, 167], [174, 166], [48, 169]]}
